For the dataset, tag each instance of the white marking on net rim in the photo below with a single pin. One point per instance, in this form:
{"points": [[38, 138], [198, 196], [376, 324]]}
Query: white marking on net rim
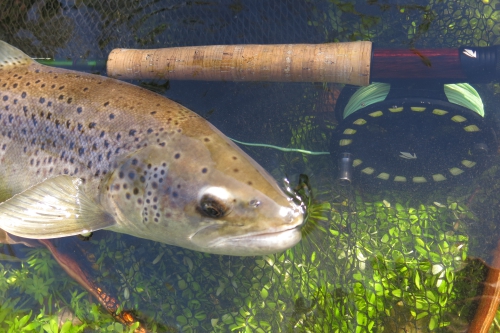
{"points": [[408, 156]]}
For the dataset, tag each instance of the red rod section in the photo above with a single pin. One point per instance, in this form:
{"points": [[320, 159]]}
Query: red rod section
{"points": [[416, 64]]}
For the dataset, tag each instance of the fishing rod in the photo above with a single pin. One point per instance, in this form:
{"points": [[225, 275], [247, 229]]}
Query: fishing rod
{"points": [[355, 63]]}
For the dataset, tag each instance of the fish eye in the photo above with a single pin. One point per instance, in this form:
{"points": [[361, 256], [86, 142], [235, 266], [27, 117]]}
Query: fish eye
{"points": [[212, 207]]}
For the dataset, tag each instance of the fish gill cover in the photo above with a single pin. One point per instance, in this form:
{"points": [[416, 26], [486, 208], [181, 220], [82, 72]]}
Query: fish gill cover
{"points": [[387, 261]]}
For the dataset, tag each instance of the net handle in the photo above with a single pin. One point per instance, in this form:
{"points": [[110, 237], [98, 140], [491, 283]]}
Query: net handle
{"points": [[347, 62]]}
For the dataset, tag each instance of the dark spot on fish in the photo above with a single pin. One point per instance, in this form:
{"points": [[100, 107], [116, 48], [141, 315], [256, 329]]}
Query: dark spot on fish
{"points": [[27, 84], [154, 185], [76, 171], [153, 112], [81, 151], [176, 156], [61, 97], [79, 109], [121, 175], [5, 98], [125, 186], [11, 117], [72, 160], [150, 130], [49, 103], [175, 194], [204, 170], [106, 104], [80, 126], [111, 116], [4, 146], [136, 190], [43, 85], [117, 151], [131, 175], [97, 172], [106, 143], [37, 81], [85, 89], [155, 199], [99, 158], [162, 172], [117, 187], [206, 140], [102, 134], [94, 146], [236, 170], [235, 158], [68, 123], [14, 85], [57, 123], [92, 125], [162, 144], [89, 165], [66, 171], [118, 137], [250, 183], [139, 201], [108, 155], [55, 76], [61, 87], [70, 100], [32, 161], [132, 132], [134, 161], [164, 164], [33, 118], [127, 195], [53, 86], [142, 179], [71, 145]]}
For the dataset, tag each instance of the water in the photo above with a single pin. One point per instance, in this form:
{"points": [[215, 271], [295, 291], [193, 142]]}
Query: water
{"points": [[374, 258]]}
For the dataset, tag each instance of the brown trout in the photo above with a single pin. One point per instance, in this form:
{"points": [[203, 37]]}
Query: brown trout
{"points": [[81, 152]]}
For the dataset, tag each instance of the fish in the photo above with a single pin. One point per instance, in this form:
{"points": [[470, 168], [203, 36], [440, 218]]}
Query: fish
{"points": [[82, 152]]}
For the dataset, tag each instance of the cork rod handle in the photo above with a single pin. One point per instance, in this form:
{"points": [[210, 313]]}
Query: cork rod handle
{"points": [[332, 62]]}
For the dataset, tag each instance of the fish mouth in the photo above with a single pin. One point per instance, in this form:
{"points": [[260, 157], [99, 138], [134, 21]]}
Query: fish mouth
{"points": [[257, 243]]}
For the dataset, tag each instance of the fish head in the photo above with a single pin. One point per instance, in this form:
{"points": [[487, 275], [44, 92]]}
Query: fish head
{"points": [[203, 193]]}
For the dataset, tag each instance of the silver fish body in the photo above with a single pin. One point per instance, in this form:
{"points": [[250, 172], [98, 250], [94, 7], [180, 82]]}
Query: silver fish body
{"points": [[81, 152]]}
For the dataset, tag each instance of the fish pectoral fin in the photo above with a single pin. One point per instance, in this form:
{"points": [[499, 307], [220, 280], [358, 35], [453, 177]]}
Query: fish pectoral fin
{"points": [[56, 207]]}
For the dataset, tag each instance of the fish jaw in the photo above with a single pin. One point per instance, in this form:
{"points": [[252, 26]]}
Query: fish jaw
{"points": [[216, 239]]}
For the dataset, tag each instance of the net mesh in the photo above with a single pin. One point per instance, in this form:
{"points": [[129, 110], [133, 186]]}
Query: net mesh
{"points": [[370, 261]]}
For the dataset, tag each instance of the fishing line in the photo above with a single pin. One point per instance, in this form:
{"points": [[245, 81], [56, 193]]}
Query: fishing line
{"points": [[293, 150]]}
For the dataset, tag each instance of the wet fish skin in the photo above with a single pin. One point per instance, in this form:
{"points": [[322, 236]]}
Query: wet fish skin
{"points": [[80, 152]]}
